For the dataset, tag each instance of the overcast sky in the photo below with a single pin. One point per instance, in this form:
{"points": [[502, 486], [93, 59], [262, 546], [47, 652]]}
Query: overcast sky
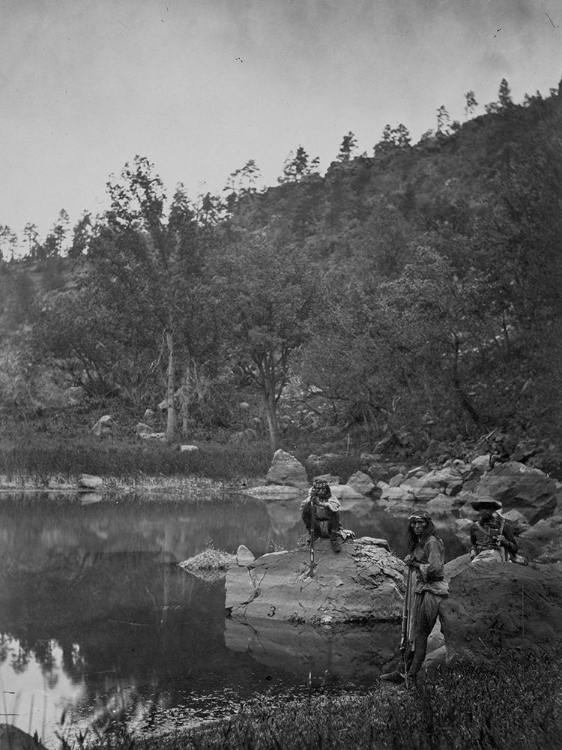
{"points": [[202, 86]]}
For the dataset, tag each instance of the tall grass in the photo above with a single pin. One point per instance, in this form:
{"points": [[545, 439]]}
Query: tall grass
{"points": [[41, 460], [515, 706]]}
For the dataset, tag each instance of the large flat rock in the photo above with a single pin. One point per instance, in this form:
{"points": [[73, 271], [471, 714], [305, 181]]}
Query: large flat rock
{"points": [[364, 582]]}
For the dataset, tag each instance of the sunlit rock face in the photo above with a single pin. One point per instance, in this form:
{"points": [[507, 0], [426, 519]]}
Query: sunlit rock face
{"points": [[364, 582]]}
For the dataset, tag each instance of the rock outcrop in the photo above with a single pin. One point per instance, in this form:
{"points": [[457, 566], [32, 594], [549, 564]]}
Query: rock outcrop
{"points": [[364, 582]]}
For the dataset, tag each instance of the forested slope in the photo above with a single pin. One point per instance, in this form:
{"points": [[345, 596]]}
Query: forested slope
{"points": [[415, 291]]}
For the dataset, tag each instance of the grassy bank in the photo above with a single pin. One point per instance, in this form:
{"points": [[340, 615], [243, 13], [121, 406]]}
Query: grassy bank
{"points": [[42, 460], [515, 706]]}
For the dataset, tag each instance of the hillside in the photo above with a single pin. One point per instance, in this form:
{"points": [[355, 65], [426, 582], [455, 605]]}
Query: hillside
{"points": [[413, 293]]}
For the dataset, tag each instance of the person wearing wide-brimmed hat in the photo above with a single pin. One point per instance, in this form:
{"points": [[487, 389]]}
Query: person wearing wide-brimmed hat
{"points": [[427, 559], [491, 538]]}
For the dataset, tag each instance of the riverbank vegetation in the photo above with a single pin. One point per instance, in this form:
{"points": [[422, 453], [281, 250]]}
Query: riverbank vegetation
{"points": [[516, 705], [409, 294]]}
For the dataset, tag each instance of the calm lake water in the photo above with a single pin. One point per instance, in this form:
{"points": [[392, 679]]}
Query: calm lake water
{"points": [[96, 614]]}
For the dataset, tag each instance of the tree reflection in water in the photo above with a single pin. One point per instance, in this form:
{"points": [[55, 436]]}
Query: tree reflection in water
{"points": [[96, 614]]}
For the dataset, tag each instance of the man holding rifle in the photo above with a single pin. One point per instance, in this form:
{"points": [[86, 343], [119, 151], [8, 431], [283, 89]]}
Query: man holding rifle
{"points": [[491, 539], [319, 507], [425, 591]]}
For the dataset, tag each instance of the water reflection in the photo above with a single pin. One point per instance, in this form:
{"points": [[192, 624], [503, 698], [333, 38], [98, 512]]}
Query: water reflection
{"points": [[96, 614]]}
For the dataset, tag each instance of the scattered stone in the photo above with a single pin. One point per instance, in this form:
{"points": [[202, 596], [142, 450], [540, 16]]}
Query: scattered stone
{"points": [[103, 427], [143, 429], [362, 483], [286, 470], [521, 487], [153, 436], [90, 482], [243, 556], [546, 539], [188, 448]]}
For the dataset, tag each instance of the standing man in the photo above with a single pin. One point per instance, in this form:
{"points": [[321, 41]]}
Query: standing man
{"points": [[426, 559], [491, 538], [326, 509]]}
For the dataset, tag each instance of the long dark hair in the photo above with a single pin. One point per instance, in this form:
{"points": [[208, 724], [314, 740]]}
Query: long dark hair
{"points": [[414, 539]]}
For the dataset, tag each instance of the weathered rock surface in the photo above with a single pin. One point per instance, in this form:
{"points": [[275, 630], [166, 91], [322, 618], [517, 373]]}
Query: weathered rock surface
{"points": [[518, 486], [103, 427], [363, 582], [545, 538], [361, 483], [90, 482], [500, 607], [286, 470]]}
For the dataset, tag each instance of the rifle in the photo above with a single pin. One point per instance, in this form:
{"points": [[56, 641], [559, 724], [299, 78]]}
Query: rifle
{"points": [[312, 523], [406, 646], [502, 550]]}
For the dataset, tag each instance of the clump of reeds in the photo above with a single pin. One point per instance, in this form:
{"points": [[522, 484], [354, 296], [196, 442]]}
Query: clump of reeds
{"points": [[210, 564]]}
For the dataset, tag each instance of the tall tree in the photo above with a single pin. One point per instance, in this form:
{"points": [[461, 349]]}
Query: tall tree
{"points": [[471, 103], [263, 299], [146, 262], [31, 234], [347, 148]]}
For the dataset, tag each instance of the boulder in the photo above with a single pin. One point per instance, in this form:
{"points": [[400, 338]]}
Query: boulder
{"points": [[364, 582], [344, 492], [517, 521], [546, 539], [442, 504], [143, 429], [188, 448], [286, 470], [244, 556], [517, 486], [482, 463], [90, 482], [506, 607], [103, 427], [153, 436]]}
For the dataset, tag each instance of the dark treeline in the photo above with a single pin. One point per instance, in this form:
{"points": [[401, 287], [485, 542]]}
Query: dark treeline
{"points": [[414, 292]]}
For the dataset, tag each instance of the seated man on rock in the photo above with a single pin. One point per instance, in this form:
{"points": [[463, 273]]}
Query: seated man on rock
{"points": [[491, 538], [325, 508]]}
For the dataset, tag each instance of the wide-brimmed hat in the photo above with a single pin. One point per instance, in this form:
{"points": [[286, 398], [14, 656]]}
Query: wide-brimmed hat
{"points": [[486, 500]]}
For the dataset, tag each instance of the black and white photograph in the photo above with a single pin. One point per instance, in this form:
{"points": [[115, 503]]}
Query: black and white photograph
{"points": [[281, 375]]}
